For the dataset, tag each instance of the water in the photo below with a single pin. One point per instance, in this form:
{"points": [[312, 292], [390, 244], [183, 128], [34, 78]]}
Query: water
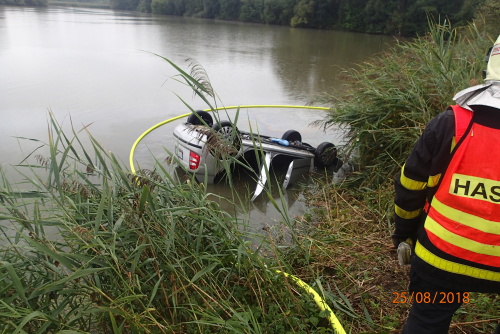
{"points": [[98, 68]]}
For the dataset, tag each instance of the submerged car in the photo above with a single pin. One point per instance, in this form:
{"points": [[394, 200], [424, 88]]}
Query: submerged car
{"points": [[205, 147]]}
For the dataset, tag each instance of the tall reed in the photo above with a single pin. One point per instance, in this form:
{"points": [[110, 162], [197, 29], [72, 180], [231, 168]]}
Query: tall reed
{"points": [[87, 247], [388, 100]]}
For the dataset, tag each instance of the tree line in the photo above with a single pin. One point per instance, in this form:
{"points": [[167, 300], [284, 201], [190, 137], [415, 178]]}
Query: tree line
{"points": [[390, 17], [23, 2], [398, 17]]}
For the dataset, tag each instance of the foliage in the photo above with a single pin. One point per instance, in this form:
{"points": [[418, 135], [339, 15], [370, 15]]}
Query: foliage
{"points": [[401, 17], [488, 16], [86, 246], [229, 9], [386, 110], [303, 11], [126, 4], [278, 11], [385, 106]]}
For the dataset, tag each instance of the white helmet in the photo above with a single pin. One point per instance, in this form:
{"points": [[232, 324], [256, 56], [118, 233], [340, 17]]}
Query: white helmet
{"points": [[487, 94], [493, 69]]}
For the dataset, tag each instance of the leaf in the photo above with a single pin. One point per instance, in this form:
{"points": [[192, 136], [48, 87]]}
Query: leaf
{"points": [[203, 272], [75, 275], [153, 292], [16, 281], [28, 318], [144, 198]]}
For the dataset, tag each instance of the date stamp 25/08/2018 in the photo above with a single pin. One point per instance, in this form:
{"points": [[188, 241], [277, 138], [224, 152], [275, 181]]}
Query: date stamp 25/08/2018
{"points": [[438, 297]]}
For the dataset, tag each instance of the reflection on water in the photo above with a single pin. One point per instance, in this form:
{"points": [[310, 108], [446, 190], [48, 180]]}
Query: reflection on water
{"points": [[271, 208]]}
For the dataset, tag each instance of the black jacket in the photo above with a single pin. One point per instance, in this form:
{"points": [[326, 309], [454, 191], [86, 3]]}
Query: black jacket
{"points": [[429, 158], [418, 182]]}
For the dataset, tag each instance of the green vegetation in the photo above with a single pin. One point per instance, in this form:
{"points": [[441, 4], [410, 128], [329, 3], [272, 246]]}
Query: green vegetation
{"points": [[371, 16], [87, 247], [91, 248], [391, 17], [74, 3], [387, 110], [488, 16]]}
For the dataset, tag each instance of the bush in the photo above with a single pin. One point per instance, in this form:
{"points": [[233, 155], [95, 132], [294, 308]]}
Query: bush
{"points": [[388, 100], [488, 16]]}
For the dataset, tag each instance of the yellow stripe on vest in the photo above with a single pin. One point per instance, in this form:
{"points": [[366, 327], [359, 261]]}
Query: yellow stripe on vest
{"points": [[481, 224], [432, 226], [407, 214], [453, 267]]}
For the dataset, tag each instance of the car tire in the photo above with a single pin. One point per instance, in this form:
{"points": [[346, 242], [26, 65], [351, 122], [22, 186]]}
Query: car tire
{"points": [[292, 135], [225, 128], [230, 137], [199, 117], [325, 155]]}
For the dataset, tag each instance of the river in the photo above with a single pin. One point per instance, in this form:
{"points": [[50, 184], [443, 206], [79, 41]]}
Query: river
{"points": [[100, 68]]}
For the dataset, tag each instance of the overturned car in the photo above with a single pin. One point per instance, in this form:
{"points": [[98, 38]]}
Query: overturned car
{"points": [[204, 147]]}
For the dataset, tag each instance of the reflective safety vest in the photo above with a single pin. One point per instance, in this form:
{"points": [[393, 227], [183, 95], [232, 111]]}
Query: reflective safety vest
{"points": [[463, 219]]}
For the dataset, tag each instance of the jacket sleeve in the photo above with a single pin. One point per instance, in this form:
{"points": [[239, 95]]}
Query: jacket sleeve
{"points": [[419, 177]]}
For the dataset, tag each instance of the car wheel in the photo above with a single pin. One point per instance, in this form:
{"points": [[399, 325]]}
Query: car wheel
{"points": [[292, 135], [227, 140], [325, 155], [225, 128], [200, 117]]}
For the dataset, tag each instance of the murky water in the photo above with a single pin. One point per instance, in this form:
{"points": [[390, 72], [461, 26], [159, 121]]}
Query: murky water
{"points": [[98, 67]]}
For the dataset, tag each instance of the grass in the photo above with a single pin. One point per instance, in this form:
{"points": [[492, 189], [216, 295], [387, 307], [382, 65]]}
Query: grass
{"points": [[88, 247], [351, 250]]}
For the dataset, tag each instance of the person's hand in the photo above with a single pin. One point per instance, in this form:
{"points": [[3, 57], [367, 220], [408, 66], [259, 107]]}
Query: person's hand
{"points": [[404, 247], [397, 239]]}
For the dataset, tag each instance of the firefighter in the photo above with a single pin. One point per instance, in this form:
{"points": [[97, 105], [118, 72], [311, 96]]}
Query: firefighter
{"points": [[447, 205]]}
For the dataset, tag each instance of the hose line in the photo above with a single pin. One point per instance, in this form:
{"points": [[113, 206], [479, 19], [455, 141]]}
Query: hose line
{"points": [[323, 306], [320, 302], [141, 137]]}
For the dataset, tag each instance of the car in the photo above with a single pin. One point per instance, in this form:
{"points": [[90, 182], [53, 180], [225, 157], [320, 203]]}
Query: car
{"points": [[206, 148]]}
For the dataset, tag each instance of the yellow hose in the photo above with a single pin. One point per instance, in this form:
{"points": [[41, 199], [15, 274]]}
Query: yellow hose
{"points": [[323, 306], [134, 146]]}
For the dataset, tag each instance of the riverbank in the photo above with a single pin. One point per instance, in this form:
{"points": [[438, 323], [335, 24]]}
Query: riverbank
{"points": [[91, 245]]}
